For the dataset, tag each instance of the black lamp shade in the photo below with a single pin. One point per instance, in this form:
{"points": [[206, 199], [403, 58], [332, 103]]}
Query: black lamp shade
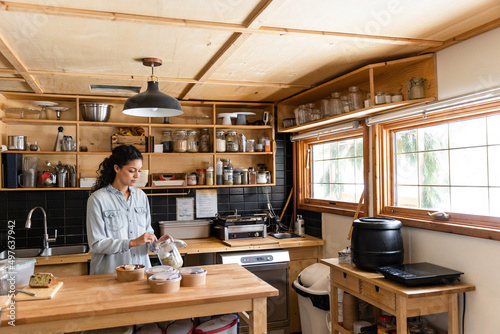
{"points": [[152, 103]]}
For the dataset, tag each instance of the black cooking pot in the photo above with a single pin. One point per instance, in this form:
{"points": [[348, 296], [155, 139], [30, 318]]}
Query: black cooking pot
{"points": [[376, 242]]}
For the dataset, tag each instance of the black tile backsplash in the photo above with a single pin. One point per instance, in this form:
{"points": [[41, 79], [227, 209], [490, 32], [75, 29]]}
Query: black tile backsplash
{"points": [[66, 210]]}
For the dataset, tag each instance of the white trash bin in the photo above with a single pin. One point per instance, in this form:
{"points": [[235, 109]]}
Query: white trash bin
{"points": [[312, 291]]}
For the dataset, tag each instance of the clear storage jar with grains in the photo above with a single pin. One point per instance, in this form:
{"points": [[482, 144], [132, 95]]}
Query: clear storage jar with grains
{"points": [[220, 141], [205, 141], [231, 141], [192, 141], [180, 141]]}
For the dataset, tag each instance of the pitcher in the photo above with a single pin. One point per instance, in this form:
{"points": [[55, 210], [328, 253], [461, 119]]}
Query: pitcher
{"points": [[28, 180]]}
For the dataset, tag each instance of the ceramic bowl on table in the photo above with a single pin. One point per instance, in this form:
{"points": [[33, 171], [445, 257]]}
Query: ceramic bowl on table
{"points": [[130, 272]]}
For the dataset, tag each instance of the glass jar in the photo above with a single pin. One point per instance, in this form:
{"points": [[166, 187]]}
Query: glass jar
{"points": [[192, 141], [268, 176], [231, 141], [355, 98], [180, 141], [200, 173], [261, 178], [252, 176], [205, 141], [345, 104], [244, 176], [237, 177], [4, 283], [169, 255], [250, 145], [167, 141], [191, 179], [220, 141], [379, 98], [209, 176], [259, 147], [335, 104], [416, 89], [228, 176]]}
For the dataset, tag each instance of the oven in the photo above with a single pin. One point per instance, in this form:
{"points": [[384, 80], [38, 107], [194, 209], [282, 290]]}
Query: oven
{"points": [[272, 267]]}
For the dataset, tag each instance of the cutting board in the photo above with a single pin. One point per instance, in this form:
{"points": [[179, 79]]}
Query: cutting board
{"points": [[250, 242], [41, 293]]}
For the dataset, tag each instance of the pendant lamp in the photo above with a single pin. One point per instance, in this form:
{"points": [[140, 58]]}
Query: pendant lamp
{"points": [[152, 102]]}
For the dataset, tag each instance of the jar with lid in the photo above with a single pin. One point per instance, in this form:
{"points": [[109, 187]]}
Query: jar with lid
{"points": [[169, 255], [231, 141], [228, 176], [261, 177], [167, 141], [355, 98], [209, 176], [416, 89], [335, 104], [250, 145], [191, 179], [345, 104], [180, 141], [204, 145], [237, 177], [200, 173], [244, 176], [220, 141], [252, 176], [192, 141], [379, 98]]}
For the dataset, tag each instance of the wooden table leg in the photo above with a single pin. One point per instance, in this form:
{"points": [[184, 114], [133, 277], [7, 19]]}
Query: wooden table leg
{"points": [[453, 314], [401, 314], [258, 317], [334, 306]]}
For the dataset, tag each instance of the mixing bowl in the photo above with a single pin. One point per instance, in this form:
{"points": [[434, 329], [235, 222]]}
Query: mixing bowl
{"points": [[96, 112]]}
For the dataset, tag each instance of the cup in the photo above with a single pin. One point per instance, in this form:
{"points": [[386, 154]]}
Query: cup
{"points": [[62, 179], [27, 179]]}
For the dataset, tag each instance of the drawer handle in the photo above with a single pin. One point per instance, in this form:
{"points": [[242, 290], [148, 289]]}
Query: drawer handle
{"points": [[345, 275], [376, 288]]}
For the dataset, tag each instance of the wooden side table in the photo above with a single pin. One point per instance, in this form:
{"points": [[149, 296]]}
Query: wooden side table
{"points": [[391, 297]]}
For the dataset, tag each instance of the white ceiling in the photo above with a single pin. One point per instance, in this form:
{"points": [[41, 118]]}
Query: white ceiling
{"points": [[240, 50]]}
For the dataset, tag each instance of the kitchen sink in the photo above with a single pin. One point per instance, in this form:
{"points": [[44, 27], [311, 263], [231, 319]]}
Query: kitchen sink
{"points": [[285, 235], [57, 250]]}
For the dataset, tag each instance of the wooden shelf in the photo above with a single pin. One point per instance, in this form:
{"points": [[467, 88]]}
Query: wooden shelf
{"points": [[96, 136], [390, 77]]}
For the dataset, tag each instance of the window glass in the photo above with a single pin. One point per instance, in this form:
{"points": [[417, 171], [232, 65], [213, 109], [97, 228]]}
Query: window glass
{"points": [[337, 170], [453, 166]]}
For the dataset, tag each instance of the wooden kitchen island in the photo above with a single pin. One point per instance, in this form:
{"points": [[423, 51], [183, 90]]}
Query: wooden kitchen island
{"points": [[100, 301]]}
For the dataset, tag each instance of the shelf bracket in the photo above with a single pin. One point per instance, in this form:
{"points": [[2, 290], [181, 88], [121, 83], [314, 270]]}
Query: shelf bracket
{"points": [[169, 194]]}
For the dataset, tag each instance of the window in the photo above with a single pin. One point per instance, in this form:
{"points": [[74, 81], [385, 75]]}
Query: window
{"points": [[330, 172], [447, 162]]}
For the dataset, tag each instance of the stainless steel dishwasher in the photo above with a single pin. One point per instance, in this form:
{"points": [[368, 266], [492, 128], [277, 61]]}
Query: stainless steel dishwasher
{"points": [[272, 267]]}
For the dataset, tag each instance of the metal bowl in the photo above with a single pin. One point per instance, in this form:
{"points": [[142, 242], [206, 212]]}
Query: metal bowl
{"points": [[96, 112]]}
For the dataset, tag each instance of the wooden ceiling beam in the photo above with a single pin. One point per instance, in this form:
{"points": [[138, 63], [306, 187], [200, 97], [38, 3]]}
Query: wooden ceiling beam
{"points": [[254, 21], [7, 52], [198, 24]]}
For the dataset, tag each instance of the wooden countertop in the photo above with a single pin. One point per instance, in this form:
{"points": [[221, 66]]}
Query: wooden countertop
{"points": [[97, 297], [200, 246]]}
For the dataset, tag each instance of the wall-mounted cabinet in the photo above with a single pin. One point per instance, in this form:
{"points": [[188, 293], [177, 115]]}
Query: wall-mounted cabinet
{"points": [[389, 77], [96, 136]]}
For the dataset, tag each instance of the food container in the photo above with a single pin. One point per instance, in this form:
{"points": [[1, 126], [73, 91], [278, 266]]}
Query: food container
{"points": [[186, 229], [87, 182], [193, 276], [96, 112], [226, 324], [169, 255], [165, 282], [160, 269], [130, 272], [22, 270]]}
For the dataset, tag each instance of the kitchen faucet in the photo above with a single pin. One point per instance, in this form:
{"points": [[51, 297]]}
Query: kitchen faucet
{"points": [[46, 250]]}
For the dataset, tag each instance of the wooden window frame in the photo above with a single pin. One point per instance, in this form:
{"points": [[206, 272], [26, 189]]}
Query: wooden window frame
{"points": [[383, 180], [303, 184]]}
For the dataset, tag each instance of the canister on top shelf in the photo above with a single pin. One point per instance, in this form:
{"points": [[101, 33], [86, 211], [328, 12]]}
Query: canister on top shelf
{"points": [[336, 106], [380, 98], [231, 141], [355, 98], [416, 89], [167, 141], [180, 141], [192, 141]]}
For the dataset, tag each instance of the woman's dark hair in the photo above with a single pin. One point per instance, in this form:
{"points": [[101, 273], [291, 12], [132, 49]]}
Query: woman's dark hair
{"points": [[120, 156]]}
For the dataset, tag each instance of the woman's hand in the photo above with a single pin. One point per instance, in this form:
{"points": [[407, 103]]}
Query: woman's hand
{"points": [[146, 238], [165, 237]]}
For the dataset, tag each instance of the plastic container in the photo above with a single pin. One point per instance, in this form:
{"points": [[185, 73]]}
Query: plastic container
{"points": [[226, 324], [193, 276], [311, 286], [169, 255], [159, 269], [130, 272], [165, 282], [186, 229], [209, 176], [22, 270], [182, 326], [219, 172], [244, 176]]}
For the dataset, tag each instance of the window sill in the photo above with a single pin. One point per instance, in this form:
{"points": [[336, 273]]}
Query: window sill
{"points": [[460, 228], [350, 212]]}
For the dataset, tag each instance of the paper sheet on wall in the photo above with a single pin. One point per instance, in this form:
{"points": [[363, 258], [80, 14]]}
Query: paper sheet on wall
{"points": [[185, 208], [206, 203]]}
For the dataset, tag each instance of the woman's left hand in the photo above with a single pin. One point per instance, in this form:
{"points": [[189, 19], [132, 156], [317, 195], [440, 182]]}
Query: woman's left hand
{"points": [[165, 237]]}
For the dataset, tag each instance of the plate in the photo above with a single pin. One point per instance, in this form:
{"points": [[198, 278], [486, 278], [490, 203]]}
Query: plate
{"points": [[45, 103], [59, 108]]}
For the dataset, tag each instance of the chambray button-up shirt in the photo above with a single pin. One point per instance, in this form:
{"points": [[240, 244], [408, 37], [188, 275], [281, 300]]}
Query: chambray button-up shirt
{"points": [[112, 222]]}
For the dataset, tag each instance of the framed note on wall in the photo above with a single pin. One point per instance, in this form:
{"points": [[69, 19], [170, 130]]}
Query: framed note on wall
{"points": [[185, 208]]}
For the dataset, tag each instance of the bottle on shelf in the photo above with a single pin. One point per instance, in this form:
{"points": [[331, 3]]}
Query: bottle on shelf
{"points": [[355, 98], [218, 172], [209, 176], [336, 106], [299, 225]]}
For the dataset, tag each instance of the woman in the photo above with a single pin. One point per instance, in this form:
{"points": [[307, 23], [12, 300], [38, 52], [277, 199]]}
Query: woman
{"points": [[118, 218]]}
